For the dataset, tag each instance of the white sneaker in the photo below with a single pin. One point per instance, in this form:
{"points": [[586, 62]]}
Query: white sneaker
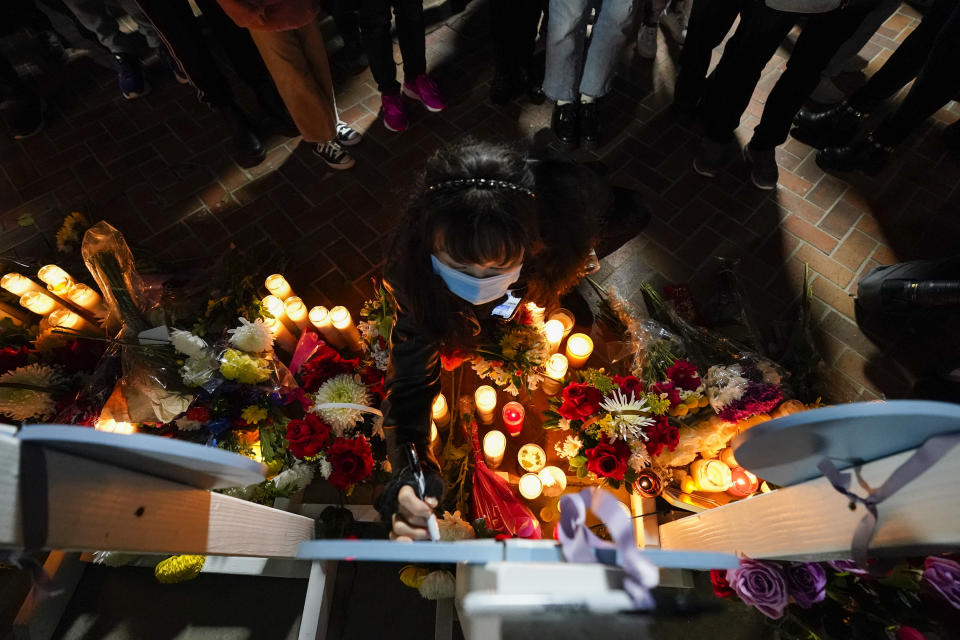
{"points": [[347, 135], [647, 42], [335, 155], [674, 23]]}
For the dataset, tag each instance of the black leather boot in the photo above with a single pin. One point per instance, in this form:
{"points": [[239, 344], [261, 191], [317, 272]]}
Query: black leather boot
{"points": [[866, 156], [589, 125], [244, 135], [566, 124], [834, 127]]}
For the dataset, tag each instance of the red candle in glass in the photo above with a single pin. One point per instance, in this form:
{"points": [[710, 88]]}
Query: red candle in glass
{"points": [[744, 483], [513, 413]]}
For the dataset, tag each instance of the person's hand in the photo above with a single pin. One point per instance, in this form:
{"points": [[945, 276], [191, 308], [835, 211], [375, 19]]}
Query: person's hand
{"points": [[410, 520]]}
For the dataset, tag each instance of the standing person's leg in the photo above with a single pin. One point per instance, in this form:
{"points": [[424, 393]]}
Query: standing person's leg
{"points": [[514, 33], [24, 113], [566, 41], [144, 26], [375, 33], [710, 21], [411, 35], [649, 27]]}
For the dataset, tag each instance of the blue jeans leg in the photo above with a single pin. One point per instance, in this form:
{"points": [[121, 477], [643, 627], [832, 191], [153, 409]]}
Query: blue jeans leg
{"points": [[610, 32], [566, 40]]}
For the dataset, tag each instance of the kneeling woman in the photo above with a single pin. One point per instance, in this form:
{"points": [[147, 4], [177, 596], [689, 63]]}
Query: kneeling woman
{"points": [[486, 219]]}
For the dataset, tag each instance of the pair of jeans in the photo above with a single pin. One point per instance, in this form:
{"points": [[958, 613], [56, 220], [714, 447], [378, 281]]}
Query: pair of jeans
{"points": [[710, 21], [937, 82], [93, 15], [574, 67], [378, 43], [513, 27]]}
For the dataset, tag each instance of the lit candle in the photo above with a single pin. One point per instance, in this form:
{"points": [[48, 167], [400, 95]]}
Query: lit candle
{"points": [[485, 398], [536, 312], [549, 513], [278, 286], [531, 457], [579, 348], [554, 481], [296, 311], [726, 457], [530, 486], [765, 488], [556, 370], [38, 302], [566, 319], [687, 485], [342, 322], [274, 306], [281, 334], [56, 279], [494, 444], [66, 319], [441, 414], [743, 483], [434, 434], [110, 425], [320, 318], [83, 296], [513, 413], [554, 331], [710, 475], [18, 284]]}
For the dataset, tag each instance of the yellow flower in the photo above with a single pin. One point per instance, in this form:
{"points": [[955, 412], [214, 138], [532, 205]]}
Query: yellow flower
{"points": [[179, 568], [413, 576], [254, 414], [692, 401], [243, 368]]}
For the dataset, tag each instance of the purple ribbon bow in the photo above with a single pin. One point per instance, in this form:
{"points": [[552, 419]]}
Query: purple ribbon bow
{"points": [[580, 544]]}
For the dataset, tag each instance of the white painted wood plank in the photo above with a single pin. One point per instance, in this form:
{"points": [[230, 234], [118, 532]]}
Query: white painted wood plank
{"points": [[317, 602], [443, 625], [40, 613], [813, 521], [10, 527]]}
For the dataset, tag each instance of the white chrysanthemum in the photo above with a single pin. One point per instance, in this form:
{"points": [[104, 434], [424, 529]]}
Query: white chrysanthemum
{"points": [[569, 448], [324, 467], [187, 343], [453, 527], [24, 404], [438, 585], [564, 424], [295, 478], [343, 388], [629, 415], [725, 385], [639, 460], [197, 370], [253, 337]]}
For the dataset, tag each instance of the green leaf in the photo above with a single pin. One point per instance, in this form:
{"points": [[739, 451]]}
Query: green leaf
{"points": [[578, 462], [25, 220], [581, 472]]}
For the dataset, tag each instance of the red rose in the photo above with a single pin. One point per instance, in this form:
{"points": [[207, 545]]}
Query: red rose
{"points": [[352, 461], [307, 437], [374, 379], [79, 356], [662, 434], [580, 401], [668, 388], [608, 460], [721, 588], [11, 358], [325, 364], [683, 374], [198, 414], [628, 385], [452, 358], [909, 633]]}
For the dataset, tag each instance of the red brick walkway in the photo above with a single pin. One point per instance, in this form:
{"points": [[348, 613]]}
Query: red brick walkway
{"points": [[160, 169]]}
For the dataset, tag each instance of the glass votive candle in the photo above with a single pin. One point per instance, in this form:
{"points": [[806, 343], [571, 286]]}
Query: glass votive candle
{"points": [[18, 284], [440, 411], [278, 286], [83, 296], [485, 397], [565, 317], [39, 302], [531, 457], [320, 318], [494, 445], [57, 280], [710, 475], [513, 415], [553, 330], [530, 486], [296, 311], [554, 481], [65, 319], [579, 348], [743, 483], [343, 322]]}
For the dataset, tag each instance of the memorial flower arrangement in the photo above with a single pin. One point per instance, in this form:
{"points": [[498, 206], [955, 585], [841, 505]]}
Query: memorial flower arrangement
{"points": [[838, 599], [514, 354]]}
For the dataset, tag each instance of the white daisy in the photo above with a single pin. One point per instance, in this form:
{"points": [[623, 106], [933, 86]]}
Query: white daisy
{"points": [[629, 415]]}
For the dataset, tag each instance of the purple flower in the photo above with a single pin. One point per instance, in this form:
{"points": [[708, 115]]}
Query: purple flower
{"points": [[759, 397], [944, 577], [761, 585], [847, 566], [807, 583]]}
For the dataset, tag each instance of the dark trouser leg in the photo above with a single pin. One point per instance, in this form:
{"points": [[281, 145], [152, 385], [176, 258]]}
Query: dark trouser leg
{"points": [[11, 85], [710, 20], [732, 83], [937, 84], [514, 31], [905, 63], [411, 35], [375, 31], [821, 37], [238, 45], [348, 22]]}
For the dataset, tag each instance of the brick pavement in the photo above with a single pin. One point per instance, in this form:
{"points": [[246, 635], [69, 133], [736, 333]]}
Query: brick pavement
{"points": [[160, 169]]}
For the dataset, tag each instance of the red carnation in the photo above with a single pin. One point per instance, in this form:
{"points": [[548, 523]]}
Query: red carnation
{"points": [[667, 387], [609, 460], [325, 364], [683, 374], [352, 461], [199, 414], [721, 588], [580, 401], [628, 385], [308, 436], [452, 358], [662, 434]]}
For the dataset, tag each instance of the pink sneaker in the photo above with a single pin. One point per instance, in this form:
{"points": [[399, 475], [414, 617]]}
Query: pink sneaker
{"points": [[394, 117], [425, 90]]}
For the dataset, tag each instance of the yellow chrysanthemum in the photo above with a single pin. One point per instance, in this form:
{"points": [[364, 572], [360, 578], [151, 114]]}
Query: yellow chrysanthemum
{"points": [[243, 368], [254, 414], [179, 568]]}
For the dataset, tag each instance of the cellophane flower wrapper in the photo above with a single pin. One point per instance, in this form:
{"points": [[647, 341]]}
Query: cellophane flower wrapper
{"points": [[151, 378], [750, 386]]}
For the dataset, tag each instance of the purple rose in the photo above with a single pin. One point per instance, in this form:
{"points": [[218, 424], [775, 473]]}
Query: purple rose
{"points": [[944, 576], [847, 566], [807, 583], [761, 585]]}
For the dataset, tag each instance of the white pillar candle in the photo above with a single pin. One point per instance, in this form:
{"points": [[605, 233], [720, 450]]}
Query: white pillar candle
{"points": [[281, 335], [320, 318], [57, 280], [18, 284], [485, 398], [554, 332], [85, 297], [710, 475], [39, 302], [554, 481], [296, 311], [530, 486], [342, 322], [579, 348], [441, 413], [494, 444], [66, 319], [274, 306], [556, 370], [531, 457], [278, 286], [565, 317]]}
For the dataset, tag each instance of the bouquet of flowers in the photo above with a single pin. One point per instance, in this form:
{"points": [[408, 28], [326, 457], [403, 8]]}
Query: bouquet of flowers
{"points": [[748, 387], [379, 315], [514, 356]]}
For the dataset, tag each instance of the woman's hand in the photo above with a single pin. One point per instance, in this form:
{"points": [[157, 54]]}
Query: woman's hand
{"points": [[410, 520]]}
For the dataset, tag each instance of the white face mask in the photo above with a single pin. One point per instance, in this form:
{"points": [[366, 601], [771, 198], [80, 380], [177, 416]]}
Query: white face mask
{"points": [[475, 290]]}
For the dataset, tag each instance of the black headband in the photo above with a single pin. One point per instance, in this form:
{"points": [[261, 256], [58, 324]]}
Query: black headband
{"points": [[483, 183]]}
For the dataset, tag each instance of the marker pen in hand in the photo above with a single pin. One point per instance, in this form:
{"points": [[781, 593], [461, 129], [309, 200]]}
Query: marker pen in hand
{"points": [[420, 489]]}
